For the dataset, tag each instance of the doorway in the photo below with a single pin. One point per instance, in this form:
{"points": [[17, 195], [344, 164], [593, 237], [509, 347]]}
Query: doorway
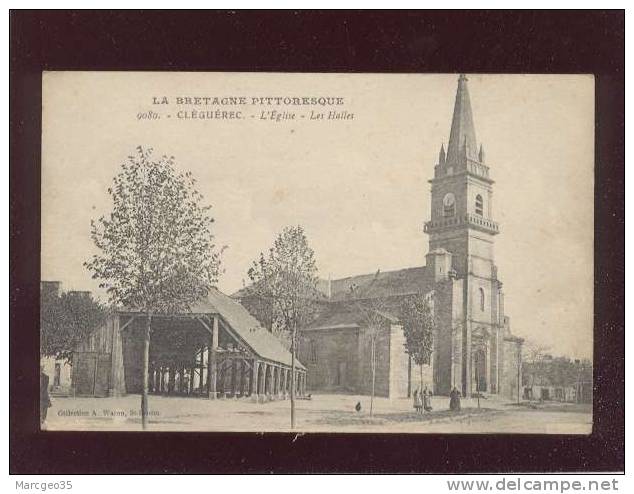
{"points": [[480, 369], [341, 374]]}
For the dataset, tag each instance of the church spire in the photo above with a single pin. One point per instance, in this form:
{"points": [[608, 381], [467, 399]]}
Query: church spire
{"points": [[441, 155], [462, 137]]}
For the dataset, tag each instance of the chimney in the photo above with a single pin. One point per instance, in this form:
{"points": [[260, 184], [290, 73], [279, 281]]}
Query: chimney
{"points": [[439, 264]]}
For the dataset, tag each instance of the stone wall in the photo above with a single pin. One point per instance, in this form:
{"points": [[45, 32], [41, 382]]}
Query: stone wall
{"points": [[511, 367], [399, 386], [364, 358], [340, 360], [330, 356]]}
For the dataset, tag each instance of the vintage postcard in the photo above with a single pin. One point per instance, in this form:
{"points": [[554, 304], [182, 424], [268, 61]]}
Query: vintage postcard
{"points": [[369, 253]]}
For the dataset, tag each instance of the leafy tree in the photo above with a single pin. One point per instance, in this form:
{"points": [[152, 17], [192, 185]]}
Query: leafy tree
{"points": [[286, 281], [156, 248], [255, 301], [418, 326], [65, 320]]}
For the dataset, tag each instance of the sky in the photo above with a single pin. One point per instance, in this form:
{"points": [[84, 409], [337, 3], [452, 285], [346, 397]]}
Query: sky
{"points": [[359, 187]]}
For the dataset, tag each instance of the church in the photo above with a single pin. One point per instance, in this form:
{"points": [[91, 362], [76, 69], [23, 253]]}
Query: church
{"points": [[473, 348]]}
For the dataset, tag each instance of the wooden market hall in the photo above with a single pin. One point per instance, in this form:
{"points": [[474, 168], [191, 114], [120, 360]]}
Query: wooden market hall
{"points": [[216, 350]]}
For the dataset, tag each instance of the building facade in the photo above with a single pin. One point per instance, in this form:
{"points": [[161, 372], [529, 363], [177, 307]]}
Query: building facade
{"points": [[474, 349]]}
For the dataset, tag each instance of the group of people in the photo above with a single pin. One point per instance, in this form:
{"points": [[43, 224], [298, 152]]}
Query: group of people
{"points": [[422, 400]]}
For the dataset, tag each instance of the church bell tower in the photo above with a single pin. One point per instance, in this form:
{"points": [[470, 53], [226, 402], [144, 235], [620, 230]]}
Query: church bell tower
{"points": [[462, 223]]}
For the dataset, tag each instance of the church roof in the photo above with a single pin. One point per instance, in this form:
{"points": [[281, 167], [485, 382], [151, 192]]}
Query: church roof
{"points": [[380, 284], [462, 128], [343, 309], [347, 314], [372, 285]]}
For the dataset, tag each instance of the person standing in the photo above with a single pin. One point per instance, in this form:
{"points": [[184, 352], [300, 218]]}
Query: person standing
{"points": [[45, 399], [416, 401], [454, 400], [427, 400]]}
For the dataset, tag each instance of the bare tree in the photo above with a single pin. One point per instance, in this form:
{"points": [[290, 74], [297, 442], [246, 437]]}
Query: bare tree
{"points": [[373, 311], [156, 248], [533, 362]]}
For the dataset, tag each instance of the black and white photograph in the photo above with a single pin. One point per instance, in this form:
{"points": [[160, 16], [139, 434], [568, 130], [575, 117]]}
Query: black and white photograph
{"points": [[317, 242], [333, 253]]}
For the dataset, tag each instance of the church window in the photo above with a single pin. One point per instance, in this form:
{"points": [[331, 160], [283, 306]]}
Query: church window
{"points": [[313, 352], [482, 299], [479, 205], [449, 205]]}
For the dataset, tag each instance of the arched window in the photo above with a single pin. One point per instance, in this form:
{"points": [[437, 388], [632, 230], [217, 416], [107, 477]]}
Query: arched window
{"points": [[479, 205], [449, 204], [481, 299]]}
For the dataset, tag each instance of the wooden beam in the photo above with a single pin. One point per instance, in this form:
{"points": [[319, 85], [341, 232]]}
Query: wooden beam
{"points": [[132, 318], [204, 324]]}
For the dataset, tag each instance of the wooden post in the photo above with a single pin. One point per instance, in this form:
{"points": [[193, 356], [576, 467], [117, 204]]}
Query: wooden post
{"points": [[201, 370], [213, 364], [211, 388], [234, 380], [183, 389], [243, 378], [254, 380], [262, 390], [285, 383], [172, 379], [274, 382], [191, 380]]}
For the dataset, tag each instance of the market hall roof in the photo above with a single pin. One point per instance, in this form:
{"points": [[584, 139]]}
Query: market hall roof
{"points": [[265, 344]]}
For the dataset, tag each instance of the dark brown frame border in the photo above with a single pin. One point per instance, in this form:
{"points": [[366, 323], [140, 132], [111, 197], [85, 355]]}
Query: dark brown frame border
{"points": [[316, 41]]}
